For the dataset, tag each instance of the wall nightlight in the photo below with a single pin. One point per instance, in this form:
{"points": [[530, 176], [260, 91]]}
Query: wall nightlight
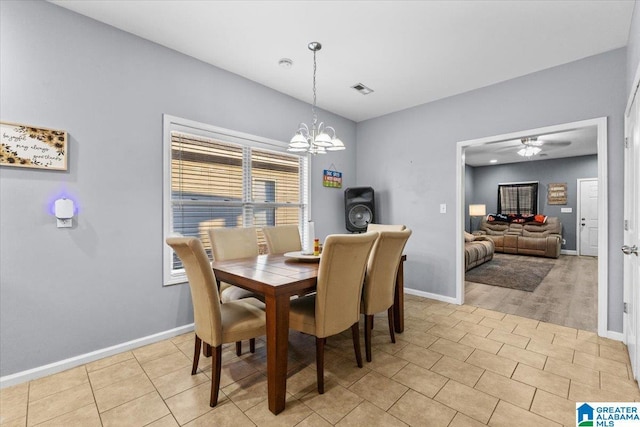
{"points": [[476, 210], [64, 209]]}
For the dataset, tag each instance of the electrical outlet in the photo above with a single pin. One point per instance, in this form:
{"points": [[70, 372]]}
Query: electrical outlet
{"points": [[65, 222], [564, 242], [443, 208]]}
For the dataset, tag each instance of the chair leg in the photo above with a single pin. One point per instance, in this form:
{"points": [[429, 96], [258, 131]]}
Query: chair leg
{"points": [[391, 327], [252, 345], [368, 325], [216, 366], [196, 355], [355, 334], [320, 363], [206, 350], [238, 348]]}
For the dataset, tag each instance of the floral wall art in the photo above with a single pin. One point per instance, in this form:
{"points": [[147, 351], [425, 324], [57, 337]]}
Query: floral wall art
{"points": [[31, 147]]}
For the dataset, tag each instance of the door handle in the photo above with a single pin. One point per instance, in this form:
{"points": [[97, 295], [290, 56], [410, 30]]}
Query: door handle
{"points": [[628, 250]]}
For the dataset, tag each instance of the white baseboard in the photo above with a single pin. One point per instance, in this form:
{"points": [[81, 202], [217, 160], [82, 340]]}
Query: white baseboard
{"points": [[63, 365], [437, 297], [618, 336], [568, 252]]}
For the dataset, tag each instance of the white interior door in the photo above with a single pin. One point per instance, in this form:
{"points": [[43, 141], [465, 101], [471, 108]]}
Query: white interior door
{"points": [[588, 217], [632, 233]]}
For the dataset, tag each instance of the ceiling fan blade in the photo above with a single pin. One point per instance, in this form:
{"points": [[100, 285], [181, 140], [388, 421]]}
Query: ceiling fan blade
{"points": [[556, 143]]}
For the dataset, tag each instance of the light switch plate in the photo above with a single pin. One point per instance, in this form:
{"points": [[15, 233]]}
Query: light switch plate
{"points": [[566, 210], [443, 208]]}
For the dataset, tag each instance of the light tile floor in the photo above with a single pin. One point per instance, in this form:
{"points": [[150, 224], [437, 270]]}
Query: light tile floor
{"points": [[453, 366]]}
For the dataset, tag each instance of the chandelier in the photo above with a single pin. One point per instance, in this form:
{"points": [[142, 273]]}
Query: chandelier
{"points": [[531, 147], [317, 138]]}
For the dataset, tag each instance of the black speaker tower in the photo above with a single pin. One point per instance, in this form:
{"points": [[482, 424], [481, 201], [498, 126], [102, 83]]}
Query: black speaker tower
{"points": [[359, 208]]}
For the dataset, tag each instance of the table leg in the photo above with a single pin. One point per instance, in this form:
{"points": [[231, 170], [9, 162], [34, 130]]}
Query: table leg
{"points": [[277, 312], [398, 301]]}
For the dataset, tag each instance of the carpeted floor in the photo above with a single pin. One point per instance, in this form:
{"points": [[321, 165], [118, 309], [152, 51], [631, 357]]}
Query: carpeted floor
{"points": [[520, 272]]}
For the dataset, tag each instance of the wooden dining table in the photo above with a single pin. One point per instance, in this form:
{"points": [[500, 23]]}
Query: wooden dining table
{"points": [[278, 278]]}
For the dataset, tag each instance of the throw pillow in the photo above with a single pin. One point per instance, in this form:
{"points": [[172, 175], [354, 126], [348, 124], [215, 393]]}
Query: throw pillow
{"points": [[469, 237], [540, 219]]}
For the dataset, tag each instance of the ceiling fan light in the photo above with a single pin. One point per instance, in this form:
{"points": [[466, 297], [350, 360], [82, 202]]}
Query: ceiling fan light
{"points": [[529, 151], [532, 142]]}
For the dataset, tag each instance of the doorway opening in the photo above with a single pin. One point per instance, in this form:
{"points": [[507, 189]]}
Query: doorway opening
{"points": [[600, 125]]}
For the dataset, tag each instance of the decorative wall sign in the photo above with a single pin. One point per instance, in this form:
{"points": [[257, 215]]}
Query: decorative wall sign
{"points": [[30, 147], [332, 179], [557, 194]]}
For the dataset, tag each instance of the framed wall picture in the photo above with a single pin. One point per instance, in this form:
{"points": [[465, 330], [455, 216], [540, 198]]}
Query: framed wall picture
{"points": [[557, 194], [26, 146], [332, 179]]}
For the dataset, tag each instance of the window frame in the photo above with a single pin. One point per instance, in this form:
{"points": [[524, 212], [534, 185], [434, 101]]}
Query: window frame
{"points": [[177, 124], [535, 199]]}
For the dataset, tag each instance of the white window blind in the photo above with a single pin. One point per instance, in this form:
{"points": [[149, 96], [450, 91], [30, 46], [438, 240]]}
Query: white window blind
{"points": [[229, 183]]}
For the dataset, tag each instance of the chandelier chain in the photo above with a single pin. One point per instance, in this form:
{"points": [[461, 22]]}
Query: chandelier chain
{"points": [[313, 108]]}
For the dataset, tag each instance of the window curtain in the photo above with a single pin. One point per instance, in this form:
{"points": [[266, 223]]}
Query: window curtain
{"points": [[520, 199]]}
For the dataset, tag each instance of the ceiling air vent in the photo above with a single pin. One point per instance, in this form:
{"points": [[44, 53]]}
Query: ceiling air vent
{"points": [[362, 89]]}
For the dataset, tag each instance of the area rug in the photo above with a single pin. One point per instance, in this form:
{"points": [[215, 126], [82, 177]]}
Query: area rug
{"points": [[520, 272]]}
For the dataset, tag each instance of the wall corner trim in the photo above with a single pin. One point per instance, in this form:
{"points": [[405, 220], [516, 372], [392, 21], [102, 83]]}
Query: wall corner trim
{"points": [[437, 297]]}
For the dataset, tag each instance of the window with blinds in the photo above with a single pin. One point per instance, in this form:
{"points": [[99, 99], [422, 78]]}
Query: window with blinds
{"points": [[520, 198], [219, 180]]}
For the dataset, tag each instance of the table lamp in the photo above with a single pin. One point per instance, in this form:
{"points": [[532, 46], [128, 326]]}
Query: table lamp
{"points": [[476, 210]]}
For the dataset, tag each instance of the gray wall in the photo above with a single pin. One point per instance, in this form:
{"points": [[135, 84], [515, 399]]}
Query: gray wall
{"points": [[633, 47], [65, 292], [415, 156], [568, 170]]}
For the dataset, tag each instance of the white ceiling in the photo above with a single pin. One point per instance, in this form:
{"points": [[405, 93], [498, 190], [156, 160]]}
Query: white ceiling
{"points": [[577, 142], [408, 52]]}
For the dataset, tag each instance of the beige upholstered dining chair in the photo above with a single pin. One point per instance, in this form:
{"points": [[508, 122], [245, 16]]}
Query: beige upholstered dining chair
{"points": [[380, 281], [282, 238], [215, 323], [233, 243], [336, 305], [385, 227]]}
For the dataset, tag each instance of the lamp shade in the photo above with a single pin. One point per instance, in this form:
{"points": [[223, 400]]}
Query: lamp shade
{"points": [[298, 141], [477, 210], [337, 145], [323, 140]]}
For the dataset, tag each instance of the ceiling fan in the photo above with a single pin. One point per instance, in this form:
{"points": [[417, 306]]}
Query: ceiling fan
{"points": [[533, 145]]}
